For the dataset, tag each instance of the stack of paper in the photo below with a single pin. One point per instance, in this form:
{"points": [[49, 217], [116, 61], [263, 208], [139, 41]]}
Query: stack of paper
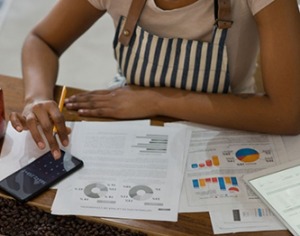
{"points": [[131, 170]]}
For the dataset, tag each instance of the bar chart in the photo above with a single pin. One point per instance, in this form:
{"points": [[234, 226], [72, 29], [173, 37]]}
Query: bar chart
{"points": [[216, 187]]}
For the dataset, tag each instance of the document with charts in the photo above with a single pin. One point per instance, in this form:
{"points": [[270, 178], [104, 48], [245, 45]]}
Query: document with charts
{"points": [[19, 149], [244, 218], [129, 172], [217, 160]]}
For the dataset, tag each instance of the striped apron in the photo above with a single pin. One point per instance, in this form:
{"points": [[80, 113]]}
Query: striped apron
{"points": [[152, 61]]}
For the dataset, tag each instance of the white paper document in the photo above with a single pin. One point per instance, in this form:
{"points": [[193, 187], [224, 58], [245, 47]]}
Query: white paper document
{"points": [[137, 171], [129, 172], [244, 218], [217, 160], [19, 149]]}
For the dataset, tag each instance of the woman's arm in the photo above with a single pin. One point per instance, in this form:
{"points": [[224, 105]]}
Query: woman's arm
{"points": [[278, 111], [66, 22], [42, 48]]}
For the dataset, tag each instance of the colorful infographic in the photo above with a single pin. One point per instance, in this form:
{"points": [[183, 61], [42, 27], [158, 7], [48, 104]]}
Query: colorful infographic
{"points": [[217, 160], [214, 161], [231, 157], [216, 187], [247, 155]]}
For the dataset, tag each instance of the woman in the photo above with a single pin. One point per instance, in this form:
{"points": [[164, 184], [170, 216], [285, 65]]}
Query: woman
{"points": [[189, 59]]}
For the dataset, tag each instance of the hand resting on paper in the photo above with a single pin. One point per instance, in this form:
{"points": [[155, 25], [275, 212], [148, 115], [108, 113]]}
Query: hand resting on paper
{"points": [[128, 102]]}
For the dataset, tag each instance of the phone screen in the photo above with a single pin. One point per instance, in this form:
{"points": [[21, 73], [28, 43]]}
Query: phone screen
{"points": [[39, 175]]}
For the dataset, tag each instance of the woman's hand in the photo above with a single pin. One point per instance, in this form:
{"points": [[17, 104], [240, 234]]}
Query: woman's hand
{"points": [[39, 118], [122, 103]]}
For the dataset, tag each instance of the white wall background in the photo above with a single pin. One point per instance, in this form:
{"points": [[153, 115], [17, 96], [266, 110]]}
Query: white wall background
{"points": [[87, 64]]}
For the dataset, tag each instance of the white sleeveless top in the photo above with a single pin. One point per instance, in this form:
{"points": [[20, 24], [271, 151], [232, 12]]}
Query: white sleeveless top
{"points": [[195, 22]]}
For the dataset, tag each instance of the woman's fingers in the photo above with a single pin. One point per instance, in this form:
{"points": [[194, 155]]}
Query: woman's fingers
{"points": [[39, 119], [17, 121]]}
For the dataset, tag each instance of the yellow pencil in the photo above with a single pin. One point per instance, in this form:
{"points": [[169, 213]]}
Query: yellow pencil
{"points": [[61, 103]]}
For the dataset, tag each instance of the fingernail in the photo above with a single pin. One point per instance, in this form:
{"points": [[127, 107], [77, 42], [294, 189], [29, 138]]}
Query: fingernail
{"points": [[41, 145], [71, 98], [68, 105], [19, 128], [65, 142], [56, 154]]}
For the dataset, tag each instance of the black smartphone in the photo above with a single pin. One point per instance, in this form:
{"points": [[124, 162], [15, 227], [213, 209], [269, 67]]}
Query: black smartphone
{"points": [[39, 175]]}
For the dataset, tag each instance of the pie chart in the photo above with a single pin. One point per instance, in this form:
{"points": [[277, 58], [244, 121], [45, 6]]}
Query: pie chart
{"points": [[140, 192], [247, 155], [95, 190]]}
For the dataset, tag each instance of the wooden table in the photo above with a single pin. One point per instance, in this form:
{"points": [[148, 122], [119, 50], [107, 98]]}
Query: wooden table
{"points": [[188, 223]]}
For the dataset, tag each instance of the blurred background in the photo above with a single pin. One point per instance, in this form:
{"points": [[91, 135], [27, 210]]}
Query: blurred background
{"points": [[88, 63]]}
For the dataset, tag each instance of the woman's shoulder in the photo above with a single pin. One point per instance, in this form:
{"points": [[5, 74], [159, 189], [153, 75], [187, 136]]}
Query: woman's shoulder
{"points": [[255, 6], [110, 4]]}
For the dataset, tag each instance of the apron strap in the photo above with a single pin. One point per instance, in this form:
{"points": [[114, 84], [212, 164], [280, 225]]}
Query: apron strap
{"points": [[133, 15], [223, 19]]}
